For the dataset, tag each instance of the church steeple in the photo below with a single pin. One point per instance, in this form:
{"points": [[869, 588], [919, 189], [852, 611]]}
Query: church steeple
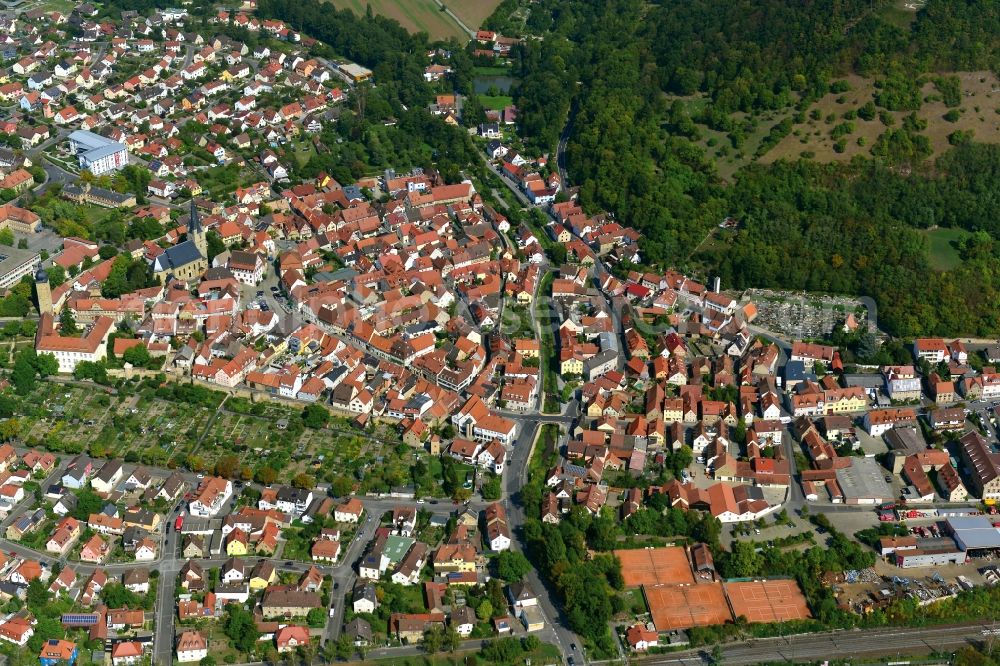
{"points": [[195, 223], [195, 232], [44, 291]]}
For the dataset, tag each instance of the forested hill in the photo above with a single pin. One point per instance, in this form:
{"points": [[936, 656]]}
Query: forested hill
{"points": [[751, 55], [627, 152], [748, 54], [645, 81], [861, 229]]}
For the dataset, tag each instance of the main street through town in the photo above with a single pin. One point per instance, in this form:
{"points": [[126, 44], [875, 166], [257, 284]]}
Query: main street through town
{"points": [[517, 476]]}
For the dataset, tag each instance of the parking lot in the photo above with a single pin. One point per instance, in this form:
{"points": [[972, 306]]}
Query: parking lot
{"points": [[849, 522], [43, 240]]}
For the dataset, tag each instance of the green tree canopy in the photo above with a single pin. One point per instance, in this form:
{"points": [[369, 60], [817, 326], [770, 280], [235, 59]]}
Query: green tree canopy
{"points": [[512, 566]]}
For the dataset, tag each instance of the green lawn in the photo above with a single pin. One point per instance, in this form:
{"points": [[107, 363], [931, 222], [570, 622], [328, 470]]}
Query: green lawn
{"points": [[546, 651], [490, 71], [497, 102], [635, 601], [414, 597], [693, 104], [296, 547], [898, 14], [943, 247], [66, 164], [430, 660], [94, 213], [302, 157], [64, 6]]}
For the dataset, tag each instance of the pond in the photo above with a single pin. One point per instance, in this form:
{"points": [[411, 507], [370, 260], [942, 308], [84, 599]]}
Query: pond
{"points": [[482, 84]]}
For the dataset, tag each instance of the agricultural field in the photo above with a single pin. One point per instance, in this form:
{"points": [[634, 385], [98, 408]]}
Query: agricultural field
{"points": [[473, 12], [417, 15], [980, 103]]}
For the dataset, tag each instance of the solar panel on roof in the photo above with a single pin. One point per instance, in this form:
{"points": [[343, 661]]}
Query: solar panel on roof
{"points": [[90, 618]]}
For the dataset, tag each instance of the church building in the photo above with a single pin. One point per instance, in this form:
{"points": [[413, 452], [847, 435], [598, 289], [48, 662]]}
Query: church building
{"points": [[187, 260]]}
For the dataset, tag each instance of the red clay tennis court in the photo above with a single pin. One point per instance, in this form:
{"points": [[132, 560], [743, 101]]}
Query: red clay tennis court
{"points": [[768, 600], [655, 566], [685, 606]]}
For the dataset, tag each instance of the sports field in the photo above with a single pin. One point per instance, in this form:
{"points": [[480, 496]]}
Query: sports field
{"points": [[768, 600], [685, 606], [682, 605], [655, 566]]}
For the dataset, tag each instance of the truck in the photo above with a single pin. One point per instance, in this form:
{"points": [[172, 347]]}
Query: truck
{"points": [[179, 523]]}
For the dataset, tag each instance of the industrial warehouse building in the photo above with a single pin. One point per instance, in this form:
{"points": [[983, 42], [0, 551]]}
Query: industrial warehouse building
{"points": [[965, 536], [863, 482], [974, 534]]}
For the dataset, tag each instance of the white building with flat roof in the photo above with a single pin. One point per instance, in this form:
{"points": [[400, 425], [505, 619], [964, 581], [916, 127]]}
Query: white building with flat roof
{"points": [[96, 153], [15, 264]]}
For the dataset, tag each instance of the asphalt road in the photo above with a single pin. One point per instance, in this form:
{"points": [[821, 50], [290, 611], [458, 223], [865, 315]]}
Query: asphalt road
{"points": [[556, 628], [344, 574], [561, 148], [521, 197], [163, 639]]}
